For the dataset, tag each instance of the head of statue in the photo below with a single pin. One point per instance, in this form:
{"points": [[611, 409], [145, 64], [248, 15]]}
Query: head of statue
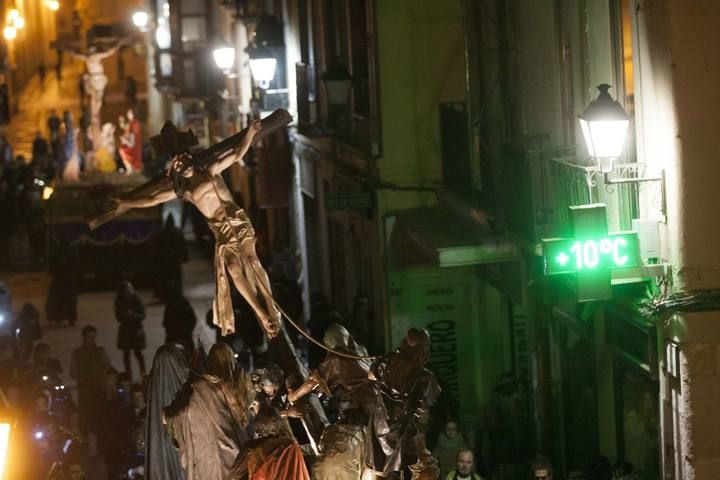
{"points": [[416, 345], [182, 165]]}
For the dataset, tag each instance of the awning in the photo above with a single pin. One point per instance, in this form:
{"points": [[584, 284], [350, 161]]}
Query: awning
{"points": [[435, 235]]}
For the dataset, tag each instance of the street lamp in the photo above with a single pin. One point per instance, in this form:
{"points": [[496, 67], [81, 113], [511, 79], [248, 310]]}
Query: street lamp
{"points": [[224, 57], [263, 59], [140, 19], [338, 82], [262, 65], [604, 125], [53, 5]]}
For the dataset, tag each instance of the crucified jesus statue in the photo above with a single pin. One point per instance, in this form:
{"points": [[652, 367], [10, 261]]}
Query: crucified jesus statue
{"points": [[201, 184], [95, 79]]}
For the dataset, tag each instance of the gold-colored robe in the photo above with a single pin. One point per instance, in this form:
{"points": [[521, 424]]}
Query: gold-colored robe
{"points": [[231, 232]]}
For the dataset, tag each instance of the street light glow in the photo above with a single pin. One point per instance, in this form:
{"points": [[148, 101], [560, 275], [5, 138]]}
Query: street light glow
{"points": [[140, 19], [9, 32], [18, 22], [54, 5], [263, 70], [13, 14], [224, 58]]}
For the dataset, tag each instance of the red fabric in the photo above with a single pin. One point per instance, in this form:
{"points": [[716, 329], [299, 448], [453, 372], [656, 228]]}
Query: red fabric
{"points": [[133, 154], [283, 463]]}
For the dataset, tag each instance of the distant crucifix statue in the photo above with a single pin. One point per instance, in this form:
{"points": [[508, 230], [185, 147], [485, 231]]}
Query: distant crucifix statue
{"points": [[95, 82]]}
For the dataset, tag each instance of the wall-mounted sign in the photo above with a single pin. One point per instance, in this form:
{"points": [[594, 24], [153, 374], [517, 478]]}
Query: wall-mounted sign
{"points": [[591, 253], [349, 200]]}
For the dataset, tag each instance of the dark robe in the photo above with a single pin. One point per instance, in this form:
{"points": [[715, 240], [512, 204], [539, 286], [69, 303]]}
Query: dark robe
{"points": [[167, 376], [406, 392], [210, 425], [130, 313], [179, 319]]}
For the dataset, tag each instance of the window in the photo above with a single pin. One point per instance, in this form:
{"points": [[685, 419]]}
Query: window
{"points": [[622, 16], [192, 7], [189, 76], [193, 32], [348, 33]]}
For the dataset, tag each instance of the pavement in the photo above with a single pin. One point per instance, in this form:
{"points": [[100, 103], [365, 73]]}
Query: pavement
{"points": [[35, 102], [37, 99]]}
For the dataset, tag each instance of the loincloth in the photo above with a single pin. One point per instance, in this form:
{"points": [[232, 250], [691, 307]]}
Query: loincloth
{"points": [[231, 232]]}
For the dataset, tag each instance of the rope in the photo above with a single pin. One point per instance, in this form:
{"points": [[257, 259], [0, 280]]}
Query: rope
{"points": [[266, 291]]}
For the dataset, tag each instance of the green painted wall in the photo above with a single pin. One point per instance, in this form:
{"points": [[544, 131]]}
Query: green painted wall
{"points": [[421, 64]]}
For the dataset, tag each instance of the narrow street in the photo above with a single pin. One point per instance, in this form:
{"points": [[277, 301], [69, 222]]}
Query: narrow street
{"points": [[35, 103]]}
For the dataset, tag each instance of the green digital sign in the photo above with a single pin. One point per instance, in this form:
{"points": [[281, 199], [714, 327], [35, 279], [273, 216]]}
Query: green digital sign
{"points": [[590, 254]]}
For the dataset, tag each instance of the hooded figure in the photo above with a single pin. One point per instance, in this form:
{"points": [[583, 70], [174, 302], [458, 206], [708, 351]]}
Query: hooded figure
{"points": [[209, 425], [168, 375], [406, 390]]}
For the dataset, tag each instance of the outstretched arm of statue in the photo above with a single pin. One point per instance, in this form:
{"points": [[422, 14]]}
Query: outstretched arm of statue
{"points": [[74, 54], [313, 381], [155, 198], [218, 167], [149, 194]]}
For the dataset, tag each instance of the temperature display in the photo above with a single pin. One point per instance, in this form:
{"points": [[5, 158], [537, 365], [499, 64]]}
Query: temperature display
{"points": [[591, 254]]}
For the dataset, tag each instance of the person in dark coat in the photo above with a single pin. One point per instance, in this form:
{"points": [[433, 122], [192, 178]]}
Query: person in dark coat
{"points": [[130, 313], [62, 296], [171, 254], [179, 318], [169, 373]]}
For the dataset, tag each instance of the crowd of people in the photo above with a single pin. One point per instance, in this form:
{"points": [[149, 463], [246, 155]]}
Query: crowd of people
{"points": [[52, 430]]}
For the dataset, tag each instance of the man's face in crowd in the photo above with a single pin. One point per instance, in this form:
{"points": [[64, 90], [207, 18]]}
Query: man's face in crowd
{"points": [[542, 474], [451, 429], [89, 339], [465, 462], [138, 400], [75, 472]]}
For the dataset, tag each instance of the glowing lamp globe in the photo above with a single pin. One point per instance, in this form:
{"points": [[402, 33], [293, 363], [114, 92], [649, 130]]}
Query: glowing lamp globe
{"points": [[262, 65], [9, 32], [18, 22], [54, 5], [13, 14], [224, 58], [140, 19], [604, 125]]}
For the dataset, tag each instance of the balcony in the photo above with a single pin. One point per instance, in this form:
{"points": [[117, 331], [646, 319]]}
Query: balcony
{"points": [[540, 183]]}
